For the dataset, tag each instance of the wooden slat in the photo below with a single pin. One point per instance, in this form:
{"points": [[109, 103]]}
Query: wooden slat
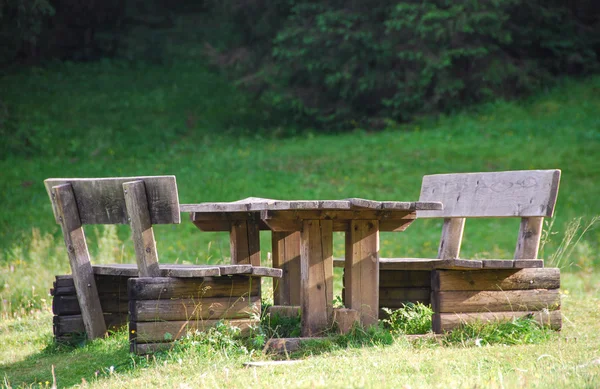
{"points": [[165, 331], [428, 264], [361, 272], [530, 233], [316, 276], [286, 256], [142, 233], [528, 263], [395, 297], [113, 285], [498, 263], [213, 308], [245, 243], [449, 321], [545, 278], [101, 200], [404, 278], [68, 305], [167, 270], [73, 324], [156, 288], [79, 259], [452, 233], [495, 301], [335, 214], [522, 193]]}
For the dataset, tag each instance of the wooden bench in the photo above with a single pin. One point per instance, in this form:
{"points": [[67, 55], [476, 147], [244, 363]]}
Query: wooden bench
{"points": [[464, 290], [156, 298]]}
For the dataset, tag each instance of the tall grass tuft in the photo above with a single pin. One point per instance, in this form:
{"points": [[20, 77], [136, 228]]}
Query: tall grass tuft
{"points": [[574, 232]]}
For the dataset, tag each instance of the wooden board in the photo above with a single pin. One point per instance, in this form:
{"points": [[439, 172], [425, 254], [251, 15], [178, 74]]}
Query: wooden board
{"points": [[395, 297], [166, 331], [259, 204], [404, 278], [495, 301], [69, 305], [167, 270], [361, 272], [530, 233], [498, 280], [155, 288], [316, 276], [213, 308], [245, 243], [521, 193], [286, 256], [63, 199], [451, 240], [428, 264], [115, 286], [449, 321], [101, 200], [73, 324], [142, 233]]}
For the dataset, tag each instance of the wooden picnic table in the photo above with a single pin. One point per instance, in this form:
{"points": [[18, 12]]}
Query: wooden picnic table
{"points": [[302, 232]]}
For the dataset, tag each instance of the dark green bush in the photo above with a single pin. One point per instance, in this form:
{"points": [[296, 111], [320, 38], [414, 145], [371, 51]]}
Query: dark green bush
{"points": [[365, 63]]}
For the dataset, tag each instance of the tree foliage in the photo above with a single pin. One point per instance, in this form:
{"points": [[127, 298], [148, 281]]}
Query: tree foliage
{"points": [[350, 62]]}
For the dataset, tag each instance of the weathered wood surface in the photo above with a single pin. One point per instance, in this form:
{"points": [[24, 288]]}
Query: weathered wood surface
{"points": [[151, 288], [545, 278], [528, 263], [530, 233], [449, 321], [452, 233], [284, 310], [69, 305], [166, 331], [361, 272], [522, 193], [456, 264], [73, 324], [286, 256], [345, 319], [244, 239], [142, 233], [259, 204], [166, 270], [205, 308], [495, 301], [113, 286], [67, 214], [101, 200], [316, 276], [396, 297], [404, 278]]}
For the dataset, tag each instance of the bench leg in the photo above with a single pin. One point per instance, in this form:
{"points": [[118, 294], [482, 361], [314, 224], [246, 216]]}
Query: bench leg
{"points": [[286, 256]]}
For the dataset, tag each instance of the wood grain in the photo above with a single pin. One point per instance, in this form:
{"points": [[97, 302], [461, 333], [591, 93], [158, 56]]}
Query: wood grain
{"points": [[79, 259], [452, 233], [244, 240], [316, 276], [286, 256], [361, 272], [155, 288], [528, 242], [142, 233], [495, 301], [101, 200], [545, 278], [522, 193], [448, 321], [166, 331]]}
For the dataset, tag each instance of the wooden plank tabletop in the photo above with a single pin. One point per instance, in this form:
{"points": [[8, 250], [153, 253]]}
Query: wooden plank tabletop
{"points": [[252, 204]]}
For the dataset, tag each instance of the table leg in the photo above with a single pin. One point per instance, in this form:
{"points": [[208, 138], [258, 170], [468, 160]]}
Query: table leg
{"points": [[286, 256], [244, 239], [316, 275], [361, 270]]}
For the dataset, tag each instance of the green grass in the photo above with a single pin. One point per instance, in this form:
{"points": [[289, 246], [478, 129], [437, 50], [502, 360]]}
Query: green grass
{"points": [[119, 118]]}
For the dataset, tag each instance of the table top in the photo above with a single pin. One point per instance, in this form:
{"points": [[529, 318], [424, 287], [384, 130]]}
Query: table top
{"points": [[256, 204]]}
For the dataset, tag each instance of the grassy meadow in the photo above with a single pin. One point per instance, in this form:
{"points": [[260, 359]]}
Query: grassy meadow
{"points": [[118, 119]]}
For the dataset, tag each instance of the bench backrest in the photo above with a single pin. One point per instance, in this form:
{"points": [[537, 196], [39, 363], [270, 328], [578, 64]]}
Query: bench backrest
{"points": [[139, 201], [102, 200], [528, 194]]}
